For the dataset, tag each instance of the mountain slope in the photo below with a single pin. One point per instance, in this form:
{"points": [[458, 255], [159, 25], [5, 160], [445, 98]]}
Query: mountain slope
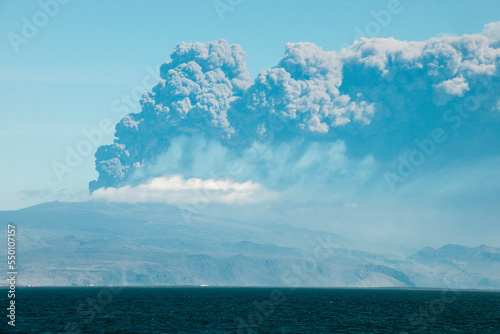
{"points": [[154, 244], [458, 266]]}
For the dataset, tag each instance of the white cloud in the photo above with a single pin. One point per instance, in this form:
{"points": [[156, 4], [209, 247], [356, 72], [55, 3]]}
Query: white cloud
{"points": [[177, 190], [492, 31], [450, 88], [456, 86]]}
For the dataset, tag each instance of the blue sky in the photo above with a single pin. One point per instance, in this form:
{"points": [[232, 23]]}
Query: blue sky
{"points": [[65, 79]]}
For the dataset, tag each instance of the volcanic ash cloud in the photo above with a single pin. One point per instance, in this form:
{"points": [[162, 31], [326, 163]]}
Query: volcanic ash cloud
{"points": [[324, 119]]}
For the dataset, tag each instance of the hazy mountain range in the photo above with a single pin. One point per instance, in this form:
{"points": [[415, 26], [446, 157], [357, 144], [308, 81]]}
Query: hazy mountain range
{"points": [[68, 244]]}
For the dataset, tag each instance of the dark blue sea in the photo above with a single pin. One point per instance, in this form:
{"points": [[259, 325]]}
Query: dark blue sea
{"points": [[251, 310]]}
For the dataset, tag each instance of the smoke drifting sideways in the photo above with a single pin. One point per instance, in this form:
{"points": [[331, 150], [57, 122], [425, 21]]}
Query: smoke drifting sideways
{"points": [[318, 124]]}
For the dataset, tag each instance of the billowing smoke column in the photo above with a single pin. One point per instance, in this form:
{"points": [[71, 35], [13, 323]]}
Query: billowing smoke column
{"points": [[193, 96], [317, 117]]}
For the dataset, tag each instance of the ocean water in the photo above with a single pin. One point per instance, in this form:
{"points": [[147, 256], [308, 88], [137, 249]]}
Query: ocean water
{"points": [[251, 310]]}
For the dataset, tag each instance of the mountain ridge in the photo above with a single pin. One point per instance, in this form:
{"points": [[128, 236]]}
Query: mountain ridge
{"points": [[83, 243]]}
